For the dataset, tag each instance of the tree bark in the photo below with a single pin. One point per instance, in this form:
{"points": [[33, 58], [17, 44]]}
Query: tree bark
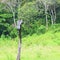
{"points": [[14, 18], [52, 17], [54, 14], [46, 16], [19, 46]]}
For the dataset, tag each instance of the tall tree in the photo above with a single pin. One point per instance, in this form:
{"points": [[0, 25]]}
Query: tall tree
{"points": [[52, 9], [45, 5], [49, 5], [12, 5]]}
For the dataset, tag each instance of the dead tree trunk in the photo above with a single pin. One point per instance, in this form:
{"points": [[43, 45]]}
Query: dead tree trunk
{"points": [[19, 46]]}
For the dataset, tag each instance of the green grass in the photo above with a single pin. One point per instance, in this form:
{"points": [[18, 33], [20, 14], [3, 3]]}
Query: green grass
{"points": [[36, 47], [41, 53]]}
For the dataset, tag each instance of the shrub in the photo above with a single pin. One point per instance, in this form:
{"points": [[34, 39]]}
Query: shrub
{"points": [[41, 30]]}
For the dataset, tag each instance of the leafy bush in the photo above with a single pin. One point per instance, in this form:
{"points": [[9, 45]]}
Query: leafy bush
{"points": [[55, 28], [41, 30], [6, 27], [32, 18]]}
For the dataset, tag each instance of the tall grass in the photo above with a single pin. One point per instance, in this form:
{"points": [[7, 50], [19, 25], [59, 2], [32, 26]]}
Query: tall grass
{"points": [[36, 47]]}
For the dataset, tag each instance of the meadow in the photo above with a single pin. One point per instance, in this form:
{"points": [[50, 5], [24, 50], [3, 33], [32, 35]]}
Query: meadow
{"points": [[36, 47], [40, 29]]}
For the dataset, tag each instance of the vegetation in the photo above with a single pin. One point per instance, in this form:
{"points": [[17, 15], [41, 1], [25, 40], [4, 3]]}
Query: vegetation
{"points": [[33, 47], [33, 13], [40, 29]]}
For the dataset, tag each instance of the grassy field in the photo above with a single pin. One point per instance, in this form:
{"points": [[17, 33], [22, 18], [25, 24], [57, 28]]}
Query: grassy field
{"points": [[36, 47]]}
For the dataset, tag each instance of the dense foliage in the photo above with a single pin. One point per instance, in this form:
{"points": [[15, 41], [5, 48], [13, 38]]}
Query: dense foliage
{"points": [[33, 15], [6, 22]]}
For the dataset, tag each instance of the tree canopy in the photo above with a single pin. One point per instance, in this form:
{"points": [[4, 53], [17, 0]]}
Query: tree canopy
{"points": [[36, 14]]}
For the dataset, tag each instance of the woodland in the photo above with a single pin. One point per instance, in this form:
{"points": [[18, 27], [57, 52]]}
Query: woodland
{"points": [[37, 16], [39, 36]]}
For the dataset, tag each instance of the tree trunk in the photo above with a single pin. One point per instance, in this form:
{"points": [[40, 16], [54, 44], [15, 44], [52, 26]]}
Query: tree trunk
{"points": [[14, 18], [46, 16], [19, 46], [52, 17]]}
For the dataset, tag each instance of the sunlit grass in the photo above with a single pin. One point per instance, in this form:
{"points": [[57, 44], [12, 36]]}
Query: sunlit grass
{"points": [[36, 47], [8, 50], [48, 39], [41, 53]]}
